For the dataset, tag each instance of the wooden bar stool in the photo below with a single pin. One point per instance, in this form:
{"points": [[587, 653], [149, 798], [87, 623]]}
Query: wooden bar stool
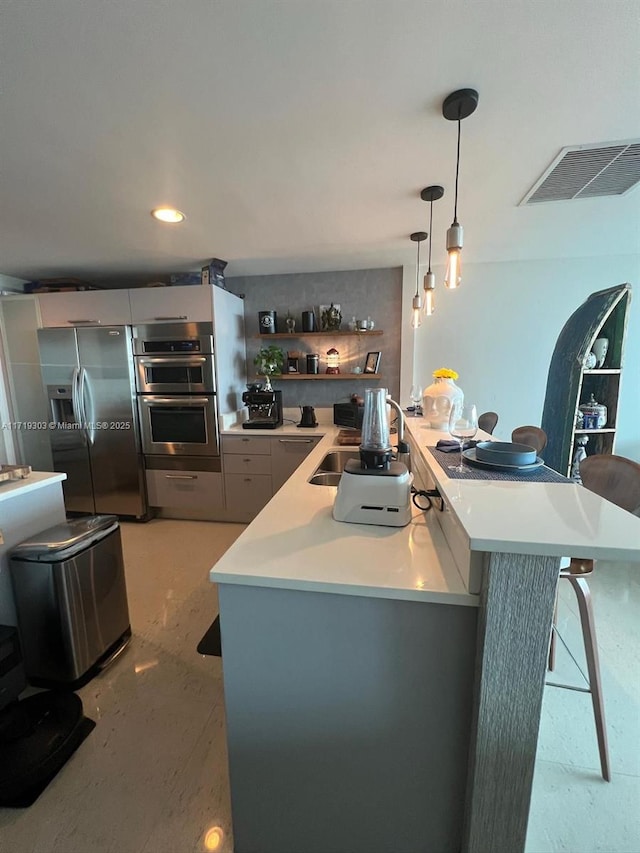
{"points": [[531, 435], [487, 421], [616, 479]]}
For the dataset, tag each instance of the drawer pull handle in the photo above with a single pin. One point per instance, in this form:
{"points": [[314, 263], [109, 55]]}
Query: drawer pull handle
{"points": [[248, 480], [295, 440], [246, 460], [246, 439], [78, 322], [179, 317], [181, 476]]}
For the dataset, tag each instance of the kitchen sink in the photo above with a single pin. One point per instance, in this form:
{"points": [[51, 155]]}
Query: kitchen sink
{"points": [[330, 469], [325, 478]]}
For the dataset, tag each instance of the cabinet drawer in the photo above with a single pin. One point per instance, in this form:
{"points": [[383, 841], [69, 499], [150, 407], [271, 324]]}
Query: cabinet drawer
{"points": [[246, 494], [172, 304], [287, 454], [201, 490], [246, 463], [246, 444]]}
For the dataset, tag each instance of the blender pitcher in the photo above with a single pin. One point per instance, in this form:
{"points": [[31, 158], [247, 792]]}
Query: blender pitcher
{"points": [[375, 447]]}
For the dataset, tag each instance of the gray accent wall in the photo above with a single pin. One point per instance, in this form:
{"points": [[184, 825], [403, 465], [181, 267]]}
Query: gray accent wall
{"points": [[376, 293]]}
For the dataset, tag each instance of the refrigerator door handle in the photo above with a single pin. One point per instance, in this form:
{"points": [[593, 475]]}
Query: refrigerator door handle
{"points": [[75, 396], [83, 395]]}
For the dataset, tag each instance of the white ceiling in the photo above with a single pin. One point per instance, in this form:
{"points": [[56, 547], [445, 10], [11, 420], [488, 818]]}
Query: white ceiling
{"points": [[296, 135]]}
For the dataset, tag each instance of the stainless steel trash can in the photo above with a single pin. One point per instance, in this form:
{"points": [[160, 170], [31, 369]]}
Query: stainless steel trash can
{"points": [[71, 600]]}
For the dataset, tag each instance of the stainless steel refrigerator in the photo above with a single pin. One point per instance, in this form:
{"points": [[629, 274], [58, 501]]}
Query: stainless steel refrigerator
{"points": [[95, 440]]}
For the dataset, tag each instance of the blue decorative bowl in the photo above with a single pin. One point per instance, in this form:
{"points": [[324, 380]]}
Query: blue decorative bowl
{"points": [[505, 453]]}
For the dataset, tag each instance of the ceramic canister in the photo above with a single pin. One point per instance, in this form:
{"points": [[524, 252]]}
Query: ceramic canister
{"points": [[594, 413]]}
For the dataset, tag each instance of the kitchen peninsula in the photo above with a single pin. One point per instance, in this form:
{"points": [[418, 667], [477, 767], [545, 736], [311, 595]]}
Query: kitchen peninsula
{"points": [[383, 686], [26, 507]]}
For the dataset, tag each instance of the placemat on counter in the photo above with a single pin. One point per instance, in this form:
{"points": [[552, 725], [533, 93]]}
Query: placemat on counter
{"points": [[471, 472]]}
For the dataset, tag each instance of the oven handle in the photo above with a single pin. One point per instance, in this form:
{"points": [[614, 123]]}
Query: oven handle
{"points": [[176, 401], [183, 359]]}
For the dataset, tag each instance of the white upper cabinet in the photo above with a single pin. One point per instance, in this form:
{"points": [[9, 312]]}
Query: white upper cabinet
{"points": [[191, 304], [85, 308]]}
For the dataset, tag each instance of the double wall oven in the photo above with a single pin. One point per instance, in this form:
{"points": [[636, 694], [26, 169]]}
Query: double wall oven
{"points": [[175, 381]]}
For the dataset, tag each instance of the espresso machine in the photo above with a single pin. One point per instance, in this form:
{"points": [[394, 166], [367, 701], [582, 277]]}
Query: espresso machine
{"points": [[376, 489], [265, 409]]}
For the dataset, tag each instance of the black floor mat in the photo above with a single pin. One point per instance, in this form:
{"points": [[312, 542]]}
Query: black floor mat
{"points": [[38, 735], [210, 644]]}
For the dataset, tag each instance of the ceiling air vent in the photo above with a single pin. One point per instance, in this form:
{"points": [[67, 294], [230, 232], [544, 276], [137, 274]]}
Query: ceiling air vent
{"points": [[588, 171]]}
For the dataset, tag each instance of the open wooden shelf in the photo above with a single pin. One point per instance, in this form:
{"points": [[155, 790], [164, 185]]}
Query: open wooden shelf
{"points": [[603, 371], [590, 431], [290, 376], [268, 336]]}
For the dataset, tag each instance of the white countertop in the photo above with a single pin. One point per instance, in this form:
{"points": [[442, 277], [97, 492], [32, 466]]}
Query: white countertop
{"points": [[550, 519], [35, 480], [295, 543], [289, 429]]}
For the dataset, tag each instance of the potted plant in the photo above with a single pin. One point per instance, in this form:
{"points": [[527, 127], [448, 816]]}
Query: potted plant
{"points": [[268, 362]]}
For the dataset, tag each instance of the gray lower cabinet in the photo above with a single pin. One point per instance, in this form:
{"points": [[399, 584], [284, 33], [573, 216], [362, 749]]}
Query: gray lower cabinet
{"points": [[186, 494], [256, 466], [246, 494], [286, 454]]}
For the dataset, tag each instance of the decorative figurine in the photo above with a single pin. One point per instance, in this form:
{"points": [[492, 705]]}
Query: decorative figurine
{"points": [[579, 454]]}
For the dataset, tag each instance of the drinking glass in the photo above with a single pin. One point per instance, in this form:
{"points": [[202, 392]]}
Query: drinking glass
{"points": [[416, 398], [463, 425]]}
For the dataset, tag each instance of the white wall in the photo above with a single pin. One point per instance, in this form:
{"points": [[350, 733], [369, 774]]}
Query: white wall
{"points": [[498, 330]]}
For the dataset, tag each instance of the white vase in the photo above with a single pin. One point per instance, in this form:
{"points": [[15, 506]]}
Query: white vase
{"points": [[599, 349], [438, 399]]}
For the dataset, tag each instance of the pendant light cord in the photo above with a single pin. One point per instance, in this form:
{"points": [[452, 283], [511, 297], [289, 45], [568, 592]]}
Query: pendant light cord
{"points": [[455, 204], [430, 231], [418, 270]]}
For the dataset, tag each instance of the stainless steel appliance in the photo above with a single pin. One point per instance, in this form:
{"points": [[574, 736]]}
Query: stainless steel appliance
{"points": [[265, 409], [71, 600], [95, 439], [174, 358], [175, 376], [181, 425]]}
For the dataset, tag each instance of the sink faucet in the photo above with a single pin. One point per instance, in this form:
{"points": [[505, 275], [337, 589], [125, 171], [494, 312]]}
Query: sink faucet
{"points": [[403, 452]]}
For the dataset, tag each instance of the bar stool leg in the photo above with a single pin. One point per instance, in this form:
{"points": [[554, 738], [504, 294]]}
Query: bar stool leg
{"points": [[553, 640], [585, 605]]}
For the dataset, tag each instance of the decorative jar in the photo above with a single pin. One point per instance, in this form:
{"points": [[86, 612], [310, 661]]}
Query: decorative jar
{"points": [[594, 414], [439, 398]]}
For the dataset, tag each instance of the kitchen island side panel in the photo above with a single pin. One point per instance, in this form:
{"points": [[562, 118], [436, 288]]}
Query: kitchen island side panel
{"points": [[348, 721]]}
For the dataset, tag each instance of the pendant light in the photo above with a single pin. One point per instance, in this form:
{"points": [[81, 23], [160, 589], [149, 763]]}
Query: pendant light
{"points": [[416, 319], [430, 194], [457, 106]]}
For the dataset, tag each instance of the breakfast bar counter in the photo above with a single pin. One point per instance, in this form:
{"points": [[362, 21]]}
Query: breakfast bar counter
{"points": [[383, 685]]}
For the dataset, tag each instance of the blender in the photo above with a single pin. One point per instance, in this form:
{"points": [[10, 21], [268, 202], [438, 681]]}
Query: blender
{"points": [[376, 489]]}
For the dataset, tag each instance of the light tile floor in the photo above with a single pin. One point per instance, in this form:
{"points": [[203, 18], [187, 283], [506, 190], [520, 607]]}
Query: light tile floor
{"points": [[152, 776]]}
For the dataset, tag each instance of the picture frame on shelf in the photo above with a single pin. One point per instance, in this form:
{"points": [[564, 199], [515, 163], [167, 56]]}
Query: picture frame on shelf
{"points": [[330, 317], [372, 362]]}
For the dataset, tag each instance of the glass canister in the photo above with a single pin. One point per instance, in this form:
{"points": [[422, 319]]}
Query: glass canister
{"points": [[375, 446]]}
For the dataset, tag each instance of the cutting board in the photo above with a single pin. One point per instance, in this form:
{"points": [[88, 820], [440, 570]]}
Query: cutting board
{"points": [[349, 436]]}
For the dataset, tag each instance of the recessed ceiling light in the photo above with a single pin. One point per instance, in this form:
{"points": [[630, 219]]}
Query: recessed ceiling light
{"points": [[168, 214]]}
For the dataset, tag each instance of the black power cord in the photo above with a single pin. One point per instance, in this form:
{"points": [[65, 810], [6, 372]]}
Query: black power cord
{"points": [[428, 494]]}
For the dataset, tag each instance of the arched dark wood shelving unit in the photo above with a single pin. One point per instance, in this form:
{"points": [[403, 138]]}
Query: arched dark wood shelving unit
{"points": [[602, 315]]}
